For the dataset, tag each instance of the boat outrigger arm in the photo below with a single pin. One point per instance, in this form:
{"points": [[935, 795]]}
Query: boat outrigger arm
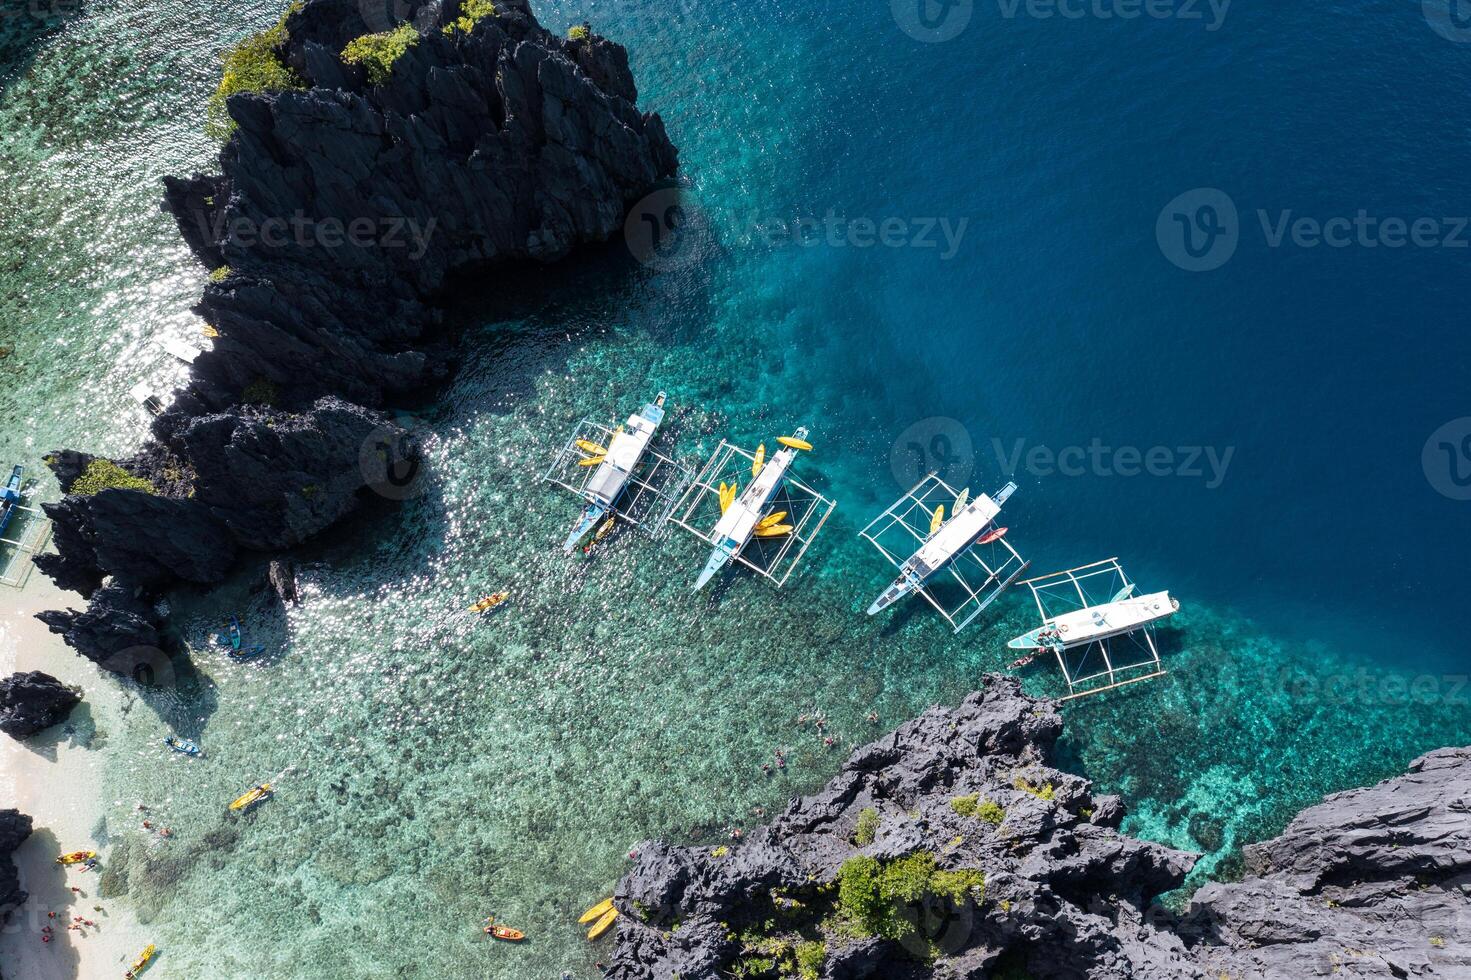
{"points": [[738, 523], [625, 451], [963, 529]]}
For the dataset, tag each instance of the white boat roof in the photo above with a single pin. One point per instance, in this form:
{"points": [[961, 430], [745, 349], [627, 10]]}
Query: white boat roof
{"points": [[624, 451], [740, 520], [956, 533], [1112, 618]]}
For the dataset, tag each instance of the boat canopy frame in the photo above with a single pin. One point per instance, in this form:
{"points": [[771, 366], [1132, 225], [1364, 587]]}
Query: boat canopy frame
{"points": [[652, 490], [1094, 666], [19, 547], [772, 558], [980, 572]]}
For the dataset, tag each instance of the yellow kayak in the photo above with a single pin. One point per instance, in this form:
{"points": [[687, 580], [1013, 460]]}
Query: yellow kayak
{"points": [[588, 446], [759, 461], [144, 958], [604, 530], [76, 857], [775, 531], [727, 496], [596, 912], [603, 924], [251, 796], [938, 519], [771, 519], [591, 461], [793, 442], [490, 602]]}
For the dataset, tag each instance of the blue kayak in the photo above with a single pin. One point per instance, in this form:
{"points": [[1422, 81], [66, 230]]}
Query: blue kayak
{"points": [[251, 654]]}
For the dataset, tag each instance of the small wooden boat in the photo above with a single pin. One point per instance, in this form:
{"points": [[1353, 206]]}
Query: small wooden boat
{"points": [[604, 923], [596, 912], [144, 958], [490, 602], [251, 797], [76, 857]]}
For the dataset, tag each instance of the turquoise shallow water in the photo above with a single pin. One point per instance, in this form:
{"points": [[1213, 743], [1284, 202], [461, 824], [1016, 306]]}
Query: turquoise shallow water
{"points": [[432, 769]]}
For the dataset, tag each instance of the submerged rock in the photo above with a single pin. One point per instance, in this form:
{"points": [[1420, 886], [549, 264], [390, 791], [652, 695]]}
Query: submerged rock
{"points": [[1374, 882], [282, 577], [342, 209], [15, 827], [31, 702]]}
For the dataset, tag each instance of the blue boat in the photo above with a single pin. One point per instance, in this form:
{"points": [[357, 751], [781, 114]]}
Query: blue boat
{"points": [[231, 638], [183, 745], [10, 498]]}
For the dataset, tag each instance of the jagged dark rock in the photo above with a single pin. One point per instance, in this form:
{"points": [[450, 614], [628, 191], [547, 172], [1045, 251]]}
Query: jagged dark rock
{"points": [[504, 142], [1374, 882], [119, 619], [341, 212], [33, 701], [15, 827]]}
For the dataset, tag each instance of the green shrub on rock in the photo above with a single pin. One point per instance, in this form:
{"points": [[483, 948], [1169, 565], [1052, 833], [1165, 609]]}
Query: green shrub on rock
{"points": [[250, 66], [104, 474], [867, 827], [377, 53], [472, 12]]}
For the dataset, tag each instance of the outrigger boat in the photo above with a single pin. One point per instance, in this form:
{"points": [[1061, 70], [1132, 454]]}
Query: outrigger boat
{"points": [[958, 565], [744, 518], [10, 498], [970, 524], [615, 466], [1087, 614]]}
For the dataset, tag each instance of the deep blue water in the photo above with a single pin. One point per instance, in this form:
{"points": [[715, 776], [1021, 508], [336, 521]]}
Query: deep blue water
{"points": [[1322, 370]]}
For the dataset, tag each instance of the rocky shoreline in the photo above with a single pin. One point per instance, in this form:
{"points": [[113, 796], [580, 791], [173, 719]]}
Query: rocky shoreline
{"points": [[952, 848], [352, 188]]}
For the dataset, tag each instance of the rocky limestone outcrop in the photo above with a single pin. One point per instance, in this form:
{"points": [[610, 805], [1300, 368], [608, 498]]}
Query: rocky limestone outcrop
{"points": [[340, 215], [33, 701], [1370, 883], [15, 827]]}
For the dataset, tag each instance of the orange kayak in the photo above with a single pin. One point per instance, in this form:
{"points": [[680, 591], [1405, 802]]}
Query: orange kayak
{"points": [[507, 933]]}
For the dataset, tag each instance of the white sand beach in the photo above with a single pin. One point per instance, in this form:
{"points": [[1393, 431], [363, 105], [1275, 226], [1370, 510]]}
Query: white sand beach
{"points": [[55, 777]]}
